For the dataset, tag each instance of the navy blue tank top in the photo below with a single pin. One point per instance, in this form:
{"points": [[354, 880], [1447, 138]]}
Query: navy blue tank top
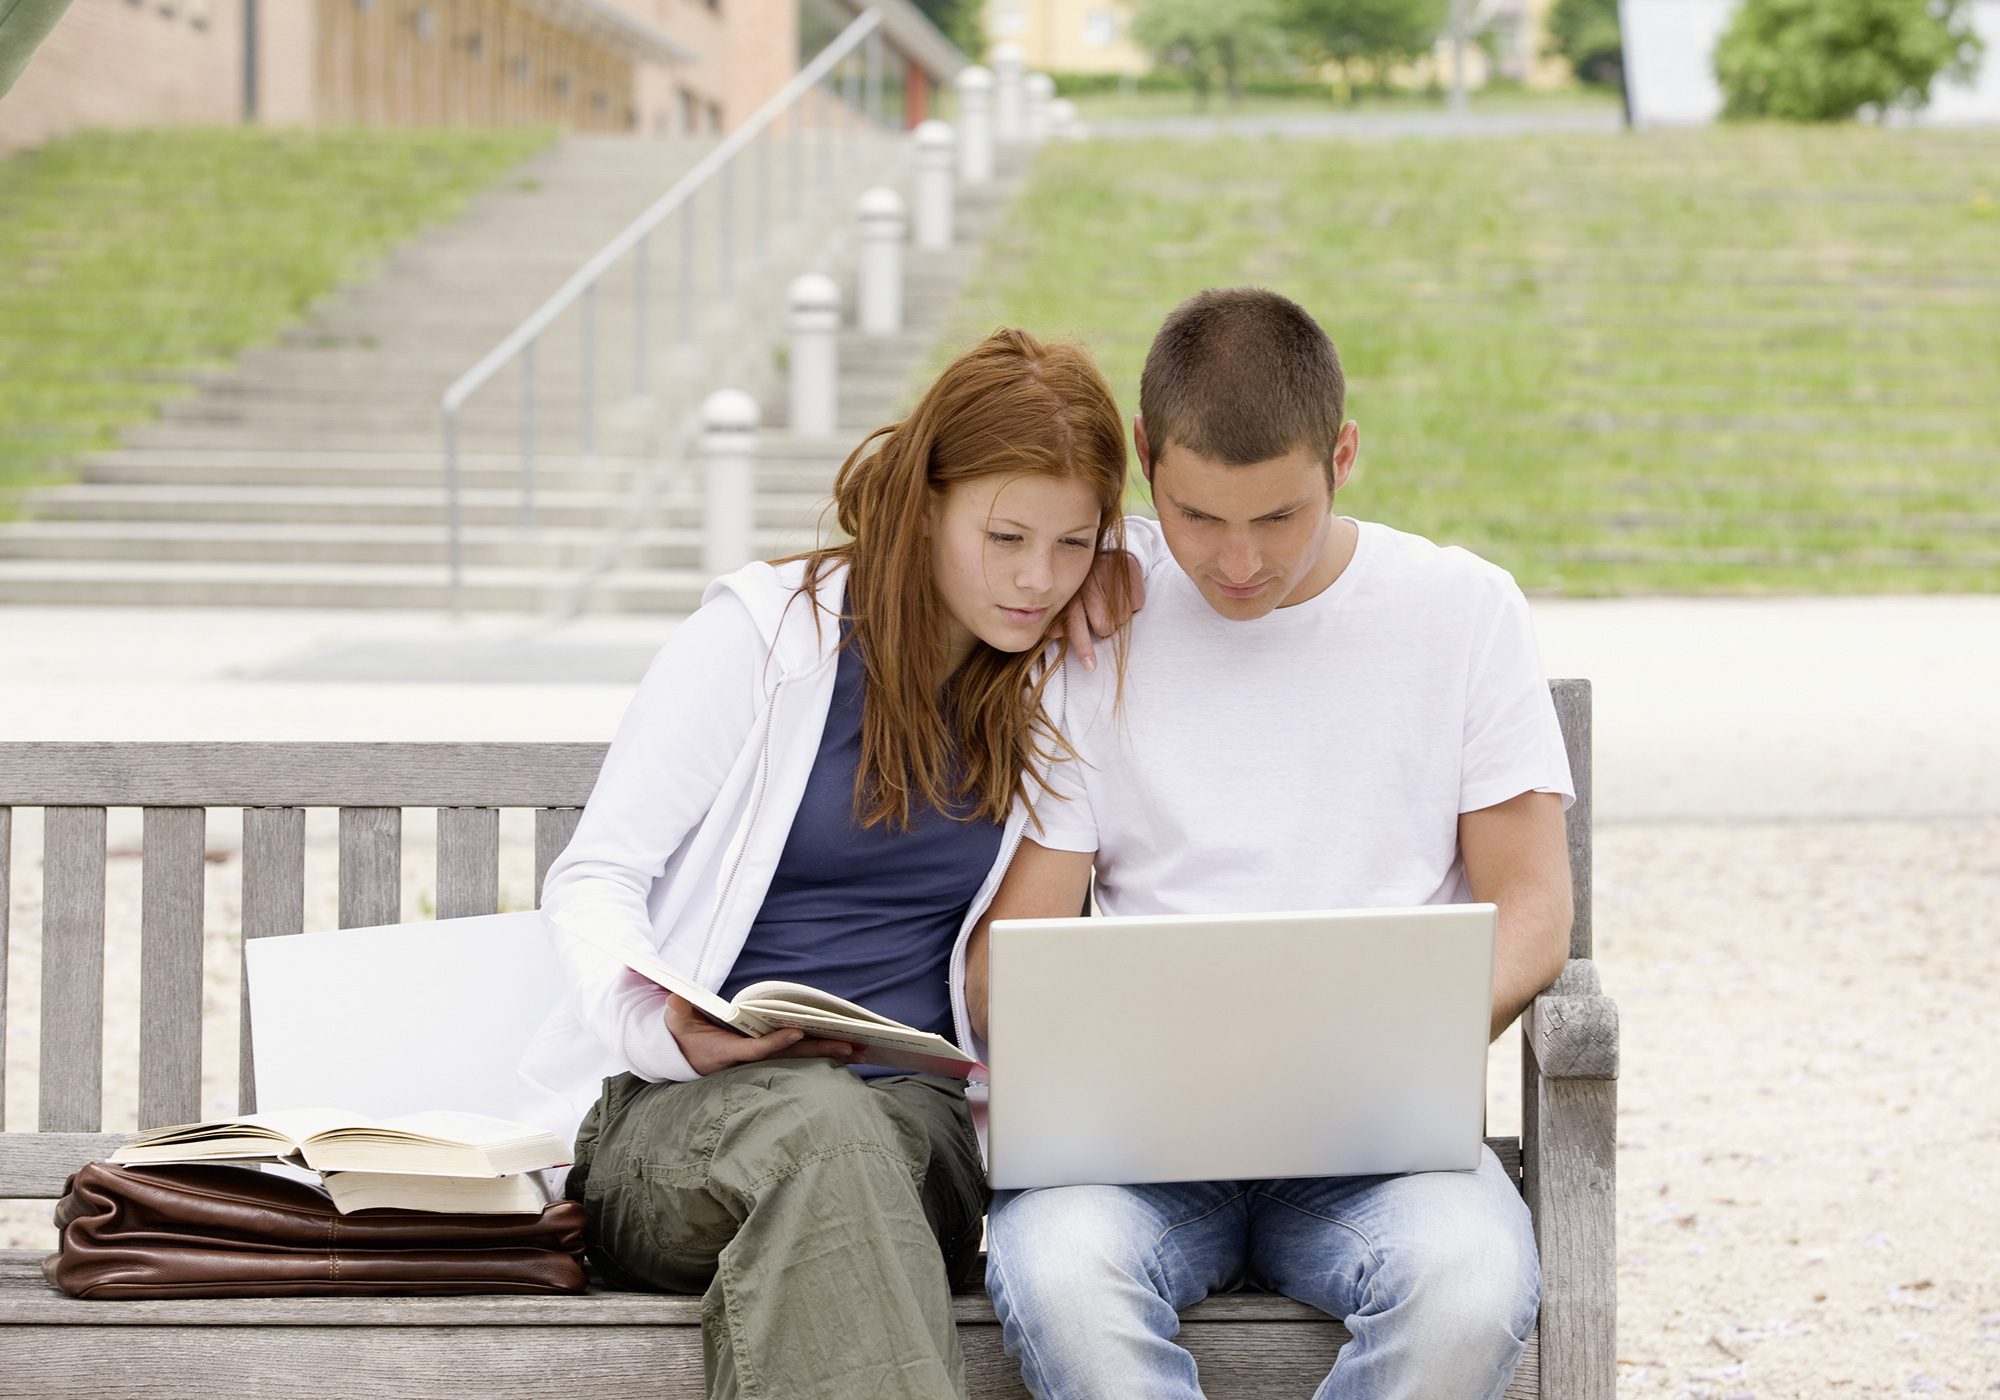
{"points": [[867, 914]]}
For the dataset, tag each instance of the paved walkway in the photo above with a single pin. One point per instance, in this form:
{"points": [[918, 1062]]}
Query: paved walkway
{"points": [[1707, 709], [1360, 125]]}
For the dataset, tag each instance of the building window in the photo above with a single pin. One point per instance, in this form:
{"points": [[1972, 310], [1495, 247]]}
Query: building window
{"points": [[1010, 18], [1100, 29], [600, 101], [427, 23], [475, 46], [562, 86], [521, 69]]}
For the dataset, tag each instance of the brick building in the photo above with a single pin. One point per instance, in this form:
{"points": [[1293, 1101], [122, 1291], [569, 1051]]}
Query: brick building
{"points": [[657, 66]]}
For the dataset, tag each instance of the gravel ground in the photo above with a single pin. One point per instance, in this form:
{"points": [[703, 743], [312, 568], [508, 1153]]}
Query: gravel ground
{"points": [[1809, 1192], [1809, 1166]]}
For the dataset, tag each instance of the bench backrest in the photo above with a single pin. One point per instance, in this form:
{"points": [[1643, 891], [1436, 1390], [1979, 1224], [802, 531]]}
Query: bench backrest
{"points": [[274, 784]]}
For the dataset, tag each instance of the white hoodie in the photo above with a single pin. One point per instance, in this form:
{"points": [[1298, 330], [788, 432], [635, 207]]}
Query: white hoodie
{"points": [[684, 829]]}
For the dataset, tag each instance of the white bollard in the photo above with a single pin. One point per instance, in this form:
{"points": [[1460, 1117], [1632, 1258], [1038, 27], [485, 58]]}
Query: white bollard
{"points": [[975, 125], [728, 481], [934, 141], [1009, 64], [1063, 125], [1038, 91], [815, 321], [879, 298]]}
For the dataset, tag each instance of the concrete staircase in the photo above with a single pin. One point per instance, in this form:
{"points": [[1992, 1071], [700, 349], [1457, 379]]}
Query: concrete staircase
{"points": [[311, 474]]}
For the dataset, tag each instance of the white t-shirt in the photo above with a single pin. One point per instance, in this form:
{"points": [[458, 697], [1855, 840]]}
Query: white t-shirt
{"points": [[1316, 758]]}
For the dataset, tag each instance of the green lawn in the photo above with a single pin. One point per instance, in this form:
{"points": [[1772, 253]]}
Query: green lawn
{"points": [[1097, 106], [129, 260], [1742, 359]]}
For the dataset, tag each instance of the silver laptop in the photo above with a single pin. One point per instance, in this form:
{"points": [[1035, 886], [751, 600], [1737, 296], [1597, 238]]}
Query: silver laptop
{"points": [[1215, 1048]]}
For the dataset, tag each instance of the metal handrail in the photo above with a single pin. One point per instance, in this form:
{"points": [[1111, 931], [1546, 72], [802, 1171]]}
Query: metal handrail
{"points": [[582, 284]]}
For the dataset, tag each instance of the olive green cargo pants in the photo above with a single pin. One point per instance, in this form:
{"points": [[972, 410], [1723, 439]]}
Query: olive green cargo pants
{"points": [[823, 1218]]}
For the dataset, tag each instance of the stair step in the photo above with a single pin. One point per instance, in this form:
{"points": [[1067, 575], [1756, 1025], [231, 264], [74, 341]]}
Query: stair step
{"points": [[387, 506], [311, 472], [122, 584], [669, 547]]}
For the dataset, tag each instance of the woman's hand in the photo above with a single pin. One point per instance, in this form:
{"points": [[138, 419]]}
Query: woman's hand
{"points": [[709, 1047], [1099, 608]]}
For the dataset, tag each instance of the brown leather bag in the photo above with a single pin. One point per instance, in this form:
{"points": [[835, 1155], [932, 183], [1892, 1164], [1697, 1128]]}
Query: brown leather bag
{"points": [[234, 1232]]}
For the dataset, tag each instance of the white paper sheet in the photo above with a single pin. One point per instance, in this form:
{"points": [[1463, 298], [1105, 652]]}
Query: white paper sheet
{"points": [[401, 1019]]}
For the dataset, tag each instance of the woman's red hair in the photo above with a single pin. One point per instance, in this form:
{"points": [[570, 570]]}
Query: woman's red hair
{"points": [[1010, 404]]}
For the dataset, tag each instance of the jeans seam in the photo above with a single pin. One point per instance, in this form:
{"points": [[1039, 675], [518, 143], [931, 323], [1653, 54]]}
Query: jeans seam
{"points": [[1374, 1254], [1158, 1267], [997, 1263]]}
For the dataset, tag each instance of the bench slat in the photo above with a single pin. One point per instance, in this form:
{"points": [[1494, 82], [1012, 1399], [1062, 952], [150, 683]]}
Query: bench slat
{"points": [[6, 908], [298, 775], [371, 866], [72, 1086], [468, 861], [1248, 1346], [170, 928], [274, 906], [34, 1166], [554, 826], [1572, 699]]}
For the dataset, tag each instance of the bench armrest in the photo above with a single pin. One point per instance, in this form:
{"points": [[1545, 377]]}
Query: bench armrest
{"points": [[1569, 1130]]}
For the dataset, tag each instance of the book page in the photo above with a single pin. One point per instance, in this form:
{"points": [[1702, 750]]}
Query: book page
{"points": [[447, 1125], [291, 1126], [812, 999]]}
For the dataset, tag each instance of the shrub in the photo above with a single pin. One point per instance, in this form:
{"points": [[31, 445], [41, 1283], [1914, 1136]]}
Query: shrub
{"points": [[1826, 60], [1586, 33]]}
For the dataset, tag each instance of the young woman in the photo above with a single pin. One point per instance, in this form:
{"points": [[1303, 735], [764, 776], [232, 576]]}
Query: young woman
{"points": [[822, 779]]}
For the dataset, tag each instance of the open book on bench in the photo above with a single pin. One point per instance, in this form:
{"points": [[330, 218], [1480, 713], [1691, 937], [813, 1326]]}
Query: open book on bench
{"points": [[764, 1007], [440, 1143]]}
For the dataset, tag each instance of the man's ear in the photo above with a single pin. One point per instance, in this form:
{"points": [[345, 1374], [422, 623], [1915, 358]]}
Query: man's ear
{"points": [[1142, 447], [1346, 451]]}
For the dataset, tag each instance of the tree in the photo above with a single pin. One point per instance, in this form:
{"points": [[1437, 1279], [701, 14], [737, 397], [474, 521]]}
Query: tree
{"points": [[1825, 60], [1586, 33], [960, 20], [1207, 38], [1376, 32]]}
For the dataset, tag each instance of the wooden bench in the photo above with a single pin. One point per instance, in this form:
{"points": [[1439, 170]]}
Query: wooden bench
{"points": [[625, 1345]]}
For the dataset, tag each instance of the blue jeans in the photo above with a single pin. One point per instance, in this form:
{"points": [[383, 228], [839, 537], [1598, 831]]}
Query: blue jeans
{"points": [[1434, 1273]]}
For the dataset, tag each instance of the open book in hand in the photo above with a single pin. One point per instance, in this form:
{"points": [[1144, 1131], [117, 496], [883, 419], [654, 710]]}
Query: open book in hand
{"points": [[764, 1007], [440, 1143]]}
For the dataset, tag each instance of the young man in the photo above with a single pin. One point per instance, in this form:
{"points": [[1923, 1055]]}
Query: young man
{"points": [[1315, 714]]}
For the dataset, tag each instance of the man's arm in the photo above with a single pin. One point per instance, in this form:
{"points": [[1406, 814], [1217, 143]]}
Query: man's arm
{"points": [[1039, 884], [1516, 855]]}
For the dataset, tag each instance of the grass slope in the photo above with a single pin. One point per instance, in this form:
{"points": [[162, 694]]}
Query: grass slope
{"points": [[129, 260], [1740, 359]]}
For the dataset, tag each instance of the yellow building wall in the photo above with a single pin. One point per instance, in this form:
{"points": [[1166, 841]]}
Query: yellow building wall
{"points": [[1068, 36]]}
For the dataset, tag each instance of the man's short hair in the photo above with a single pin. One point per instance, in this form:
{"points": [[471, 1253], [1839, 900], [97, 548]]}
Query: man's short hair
{"points": [[1242, 375]]}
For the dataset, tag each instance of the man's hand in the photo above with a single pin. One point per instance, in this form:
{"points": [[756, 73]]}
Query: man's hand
{"points": [[1039, 884], [1101, 606], [709, 1047], [1516, 855]]}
